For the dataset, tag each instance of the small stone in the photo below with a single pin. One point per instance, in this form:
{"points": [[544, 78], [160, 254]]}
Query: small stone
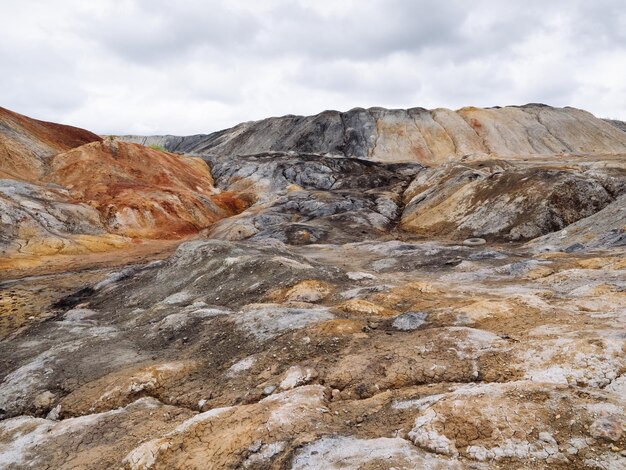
{"points": [[45, 400], [269, 390], [607, 427], [255, 446], [474, 242], [296, 376], [55, 413], [358, 276], [409, 321], [201, 403]]}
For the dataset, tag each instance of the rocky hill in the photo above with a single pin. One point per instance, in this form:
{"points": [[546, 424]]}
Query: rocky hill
{"points": [[376, 289], [66, 191], [429, 137]]}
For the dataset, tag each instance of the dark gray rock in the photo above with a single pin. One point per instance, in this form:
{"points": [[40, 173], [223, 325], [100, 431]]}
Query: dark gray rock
{"points": [[621, 125], [308, 198], [220, 273]]}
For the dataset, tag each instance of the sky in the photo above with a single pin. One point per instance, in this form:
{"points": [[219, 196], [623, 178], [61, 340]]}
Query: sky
{"points": [[196, 66]]}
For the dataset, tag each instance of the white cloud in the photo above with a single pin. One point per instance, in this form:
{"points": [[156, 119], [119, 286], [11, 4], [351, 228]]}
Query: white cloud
{"points": [[193, 66]]}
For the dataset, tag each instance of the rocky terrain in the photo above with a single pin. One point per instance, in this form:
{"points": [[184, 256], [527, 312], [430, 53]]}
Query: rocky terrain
{"points": [[376, 289]]}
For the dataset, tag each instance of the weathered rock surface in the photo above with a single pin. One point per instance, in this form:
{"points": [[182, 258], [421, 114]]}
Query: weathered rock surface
{"points": [[604, 229], [40, 220], [429, 137], [67, 192], [333, 317], [306, 198], [467, 422], [142, 192], [621, 125], [508, 200], [221, 326]]}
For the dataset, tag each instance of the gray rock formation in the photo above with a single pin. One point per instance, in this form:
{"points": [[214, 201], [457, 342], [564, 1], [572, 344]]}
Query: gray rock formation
{"points": [[36, 219], [429, 137], [308, 198], [621, 125], [604, 229], [509, 200]]}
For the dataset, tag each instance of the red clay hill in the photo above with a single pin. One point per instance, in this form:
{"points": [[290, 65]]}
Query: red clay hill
{"points": [[64, 190]]}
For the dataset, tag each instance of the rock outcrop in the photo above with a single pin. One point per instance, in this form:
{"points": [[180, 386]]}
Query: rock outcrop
{"points": [[307, 198], [429, 137], [621, 125], [142, 192], [292, 355], [40, 220], [509, 200]]}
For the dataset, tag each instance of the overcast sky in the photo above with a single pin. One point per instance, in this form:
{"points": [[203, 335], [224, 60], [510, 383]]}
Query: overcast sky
{"points": [[196, 66]]}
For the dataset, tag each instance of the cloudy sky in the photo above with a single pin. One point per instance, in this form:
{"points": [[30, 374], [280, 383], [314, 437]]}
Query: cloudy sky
{"points": [[196, 66]]}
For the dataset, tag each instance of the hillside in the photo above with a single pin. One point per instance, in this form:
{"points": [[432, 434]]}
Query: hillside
{"points": [[65, 191], [26, 144], [429, 137]]}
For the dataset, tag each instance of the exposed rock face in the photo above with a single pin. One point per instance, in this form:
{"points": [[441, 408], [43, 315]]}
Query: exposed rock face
{"points": [[39, 220], [429, 137], [604, 229], [508, 200], [621, 125], [306, 198], [223, 271], [515, 359], [514, 428], [329, 313]]}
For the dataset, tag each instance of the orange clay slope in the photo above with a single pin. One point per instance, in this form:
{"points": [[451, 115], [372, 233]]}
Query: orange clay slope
{"points": [[65, 191], [26, 144], [143, 192]]}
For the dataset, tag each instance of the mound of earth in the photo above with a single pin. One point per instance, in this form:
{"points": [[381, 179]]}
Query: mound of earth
{"points": [[26, 144], [508, 200], [308, 198], [143, 192], [429, 137], [65, 192]]}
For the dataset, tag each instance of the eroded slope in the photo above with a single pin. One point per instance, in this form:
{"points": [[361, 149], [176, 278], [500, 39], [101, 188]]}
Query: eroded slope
{"points": [[429, 137]]}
